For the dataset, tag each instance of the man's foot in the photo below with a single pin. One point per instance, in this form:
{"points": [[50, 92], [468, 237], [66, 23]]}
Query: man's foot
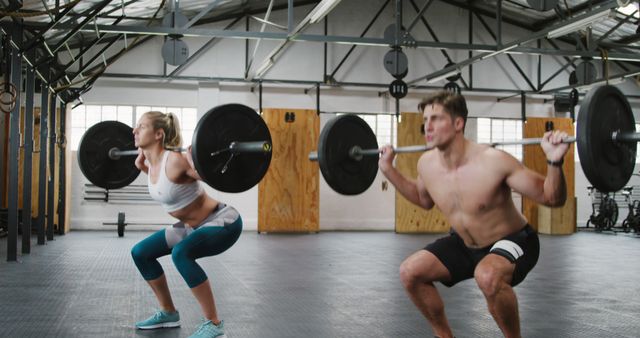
{"points": [[209, 330], [160, 319]]}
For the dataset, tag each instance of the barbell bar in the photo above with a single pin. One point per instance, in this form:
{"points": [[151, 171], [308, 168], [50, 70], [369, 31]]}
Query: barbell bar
{"points": [[357, 153], [234, 147], [606, 141]]}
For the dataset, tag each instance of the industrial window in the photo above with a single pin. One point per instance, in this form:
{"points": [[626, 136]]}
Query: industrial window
{"points": [[85, 116], [384, 126], [496, 130]]}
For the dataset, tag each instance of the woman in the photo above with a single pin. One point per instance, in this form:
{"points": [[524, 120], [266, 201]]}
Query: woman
{"points": [[205, 226]]}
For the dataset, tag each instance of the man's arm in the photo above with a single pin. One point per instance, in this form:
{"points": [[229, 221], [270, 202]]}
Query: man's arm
{"points": [[552, 189], [412, 190]]}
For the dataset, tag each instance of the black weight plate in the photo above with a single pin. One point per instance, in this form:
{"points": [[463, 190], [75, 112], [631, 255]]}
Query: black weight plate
{"points": [[175, 52], [607, 165], [344, 174], [396, 63], [121, 224], [94, 160], [215, 131]]}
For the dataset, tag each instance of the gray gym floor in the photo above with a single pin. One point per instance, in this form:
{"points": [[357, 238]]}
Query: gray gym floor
{"points": [[332, 284]]}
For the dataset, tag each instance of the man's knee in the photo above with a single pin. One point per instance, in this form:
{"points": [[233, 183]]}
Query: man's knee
{"points": [[490, 280], [417, 269], [408, 274]]}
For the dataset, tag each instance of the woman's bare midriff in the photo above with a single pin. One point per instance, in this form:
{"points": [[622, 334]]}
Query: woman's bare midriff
{"points": [[197, 211]]}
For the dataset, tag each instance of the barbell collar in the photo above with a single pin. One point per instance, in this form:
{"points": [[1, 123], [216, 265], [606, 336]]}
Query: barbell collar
{"points": [[250, 147], [115, 153], [313, 156]]}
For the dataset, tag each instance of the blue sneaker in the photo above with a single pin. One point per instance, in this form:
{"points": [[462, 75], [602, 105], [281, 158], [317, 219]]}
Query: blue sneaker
{"points": [[209, 330], [160, 319]]}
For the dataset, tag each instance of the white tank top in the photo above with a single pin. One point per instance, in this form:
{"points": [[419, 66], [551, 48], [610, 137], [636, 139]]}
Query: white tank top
{"points": [[171, 195]]}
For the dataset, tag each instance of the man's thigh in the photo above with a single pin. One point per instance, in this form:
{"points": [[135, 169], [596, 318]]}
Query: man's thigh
{"points": [[427, 267]]}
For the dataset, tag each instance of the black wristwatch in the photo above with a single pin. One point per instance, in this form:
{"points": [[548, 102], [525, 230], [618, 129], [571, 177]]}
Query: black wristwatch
{"points": [[555, 163]]}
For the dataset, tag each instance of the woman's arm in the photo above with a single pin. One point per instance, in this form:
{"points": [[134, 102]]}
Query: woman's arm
{"points": [[191, 169], [140, 162]]}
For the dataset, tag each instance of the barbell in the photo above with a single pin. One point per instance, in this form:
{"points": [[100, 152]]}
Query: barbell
{"points": [[606, 138], [231, 150]]}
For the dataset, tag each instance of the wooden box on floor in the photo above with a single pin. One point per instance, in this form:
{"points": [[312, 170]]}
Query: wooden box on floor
{"points": [[556, 220], [411, 218], [288, 195]]}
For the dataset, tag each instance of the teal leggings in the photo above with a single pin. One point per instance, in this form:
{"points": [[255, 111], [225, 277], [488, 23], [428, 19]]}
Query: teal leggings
{"points": [[214, 236]]}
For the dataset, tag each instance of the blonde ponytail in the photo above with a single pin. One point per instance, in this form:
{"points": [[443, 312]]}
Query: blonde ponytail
{"points": [[172, 139]]}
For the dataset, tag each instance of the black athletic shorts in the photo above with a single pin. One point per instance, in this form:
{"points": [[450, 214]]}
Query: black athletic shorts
{"points": [[521, 248]]}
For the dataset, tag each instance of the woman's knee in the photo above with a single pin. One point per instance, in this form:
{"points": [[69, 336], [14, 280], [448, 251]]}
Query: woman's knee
{"points": [[180, 254], [138, 253]]}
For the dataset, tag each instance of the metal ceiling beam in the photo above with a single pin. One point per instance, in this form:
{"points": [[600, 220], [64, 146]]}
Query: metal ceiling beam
{"points": [[513, 61], [202, 13], [364, 41], [420, 15], [94, 76], [436, 39], [554, 75], [515, 44], [614, 28], [468, 5], [624, 75], [86, 49], [248, 12], [40, 37], [95, 10], [366, 29], [307, 83], [286, 81], [202, 49], [587, 5]]}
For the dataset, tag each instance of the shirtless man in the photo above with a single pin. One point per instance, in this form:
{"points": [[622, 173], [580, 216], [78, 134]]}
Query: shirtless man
{"points": [[471, 184]]}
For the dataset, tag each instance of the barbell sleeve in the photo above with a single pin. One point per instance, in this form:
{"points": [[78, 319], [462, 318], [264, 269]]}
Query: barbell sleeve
{"points": [[115, 153], [407, 149], [625, 136]]}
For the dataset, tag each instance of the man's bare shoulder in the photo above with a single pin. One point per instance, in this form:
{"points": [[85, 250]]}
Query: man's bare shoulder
{"points": [[427, 157], [496, 157]]}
